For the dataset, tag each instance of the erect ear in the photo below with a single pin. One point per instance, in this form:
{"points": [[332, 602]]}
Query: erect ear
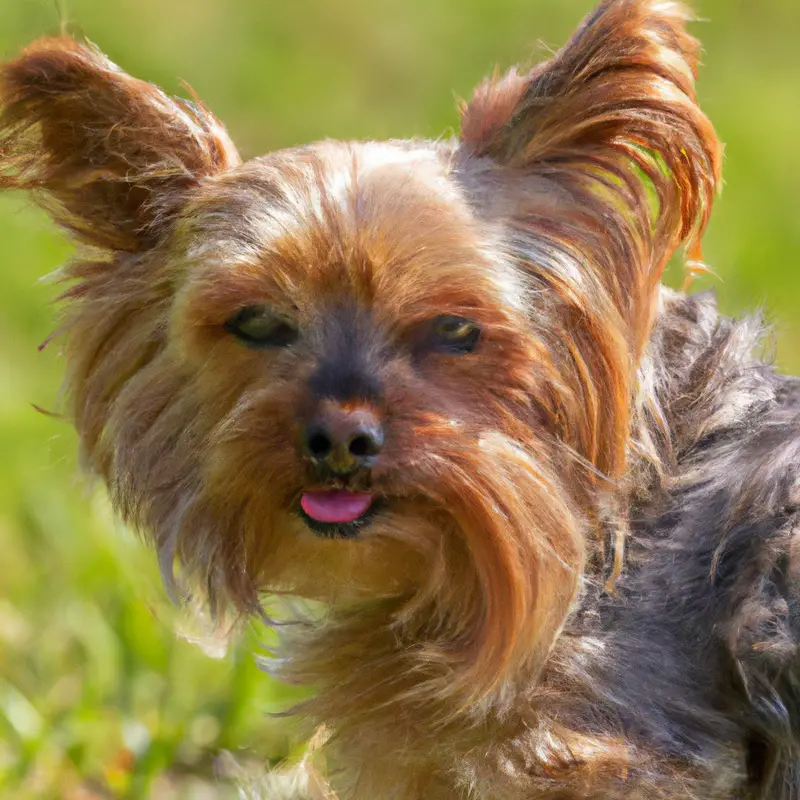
{"points": [[110, 157], [612, 120]]}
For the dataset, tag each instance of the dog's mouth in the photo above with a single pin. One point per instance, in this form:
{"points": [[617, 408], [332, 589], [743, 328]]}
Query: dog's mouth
{"points": [[337, 513]]}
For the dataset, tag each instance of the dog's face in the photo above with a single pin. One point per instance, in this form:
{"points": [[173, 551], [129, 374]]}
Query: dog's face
{"points": [[350, 337], [344, 396], [356, 372], [339, 321]]}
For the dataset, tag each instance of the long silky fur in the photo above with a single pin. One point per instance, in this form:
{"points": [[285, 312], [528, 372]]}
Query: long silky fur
{"points": [[585, 584]]}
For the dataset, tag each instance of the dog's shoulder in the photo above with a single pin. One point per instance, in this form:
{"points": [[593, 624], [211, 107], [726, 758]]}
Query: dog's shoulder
{"points": [[710, 611]]}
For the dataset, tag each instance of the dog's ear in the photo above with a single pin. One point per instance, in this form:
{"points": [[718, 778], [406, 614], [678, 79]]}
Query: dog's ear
{"points": [[612, 121], [110, 157]]}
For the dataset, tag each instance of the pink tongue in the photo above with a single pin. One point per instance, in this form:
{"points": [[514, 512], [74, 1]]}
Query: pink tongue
{"points": [[335, 506]]}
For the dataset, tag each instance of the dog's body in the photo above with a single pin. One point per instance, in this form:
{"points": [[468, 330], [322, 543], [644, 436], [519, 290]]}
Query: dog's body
{"points": [[549, 506]]}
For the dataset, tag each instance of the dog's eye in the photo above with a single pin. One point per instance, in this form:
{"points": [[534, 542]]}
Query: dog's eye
{"points": [[260, 327], [455, 334]]}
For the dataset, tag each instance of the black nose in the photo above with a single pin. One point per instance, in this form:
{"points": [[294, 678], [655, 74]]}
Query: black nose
{"points": [[343, 439]]}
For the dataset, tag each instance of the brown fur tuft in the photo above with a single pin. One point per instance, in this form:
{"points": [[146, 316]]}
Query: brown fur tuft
{"points": [[109, 156]]}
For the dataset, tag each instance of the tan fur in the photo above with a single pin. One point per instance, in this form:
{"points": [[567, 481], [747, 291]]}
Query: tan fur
{"points": [[441, 663]]}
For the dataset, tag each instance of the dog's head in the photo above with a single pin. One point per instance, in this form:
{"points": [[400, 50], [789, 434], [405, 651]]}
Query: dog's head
{"points": [[363, 372]]}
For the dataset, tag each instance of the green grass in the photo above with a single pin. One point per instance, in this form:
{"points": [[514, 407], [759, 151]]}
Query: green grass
{"points": [[98, 696]]}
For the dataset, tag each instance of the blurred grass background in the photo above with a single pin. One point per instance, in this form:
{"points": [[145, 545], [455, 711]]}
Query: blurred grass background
{"points": [[98, 697]]}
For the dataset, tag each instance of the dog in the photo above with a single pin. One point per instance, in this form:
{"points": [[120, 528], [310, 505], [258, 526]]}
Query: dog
{"points": [[548, 506]]}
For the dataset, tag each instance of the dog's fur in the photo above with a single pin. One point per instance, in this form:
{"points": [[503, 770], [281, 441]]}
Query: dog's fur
{"points": [[583, 579]]}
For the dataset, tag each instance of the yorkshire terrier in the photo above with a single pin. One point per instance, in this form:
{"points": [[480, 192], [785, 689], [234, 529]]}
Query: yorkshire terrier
{"points": [[548, 506]]}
